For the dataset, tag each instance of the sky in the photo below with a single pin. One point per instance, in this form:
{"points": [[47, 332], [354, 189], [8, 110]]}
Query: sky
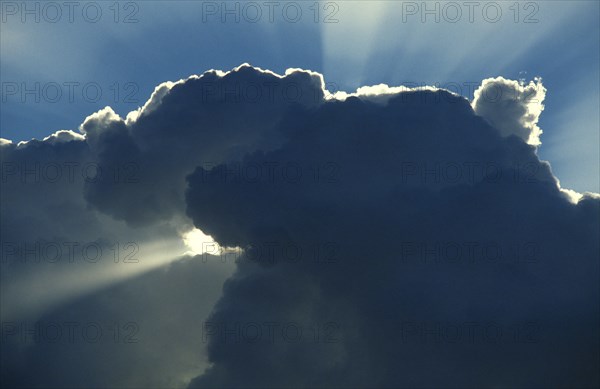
{"points": [[98, 62], [204, 194]]}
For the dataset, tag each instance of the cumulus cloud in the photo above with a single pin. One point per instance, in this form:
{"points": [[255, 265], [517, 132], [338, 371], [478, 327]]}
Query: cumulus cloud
{"points": [[512, 107], [63, 136], [423, 191], [202, 120], [406, 233]]}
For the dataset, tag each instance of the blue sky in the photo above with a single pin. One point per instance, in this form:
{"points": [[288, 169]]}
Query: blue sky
{"points": [[362, 43]]}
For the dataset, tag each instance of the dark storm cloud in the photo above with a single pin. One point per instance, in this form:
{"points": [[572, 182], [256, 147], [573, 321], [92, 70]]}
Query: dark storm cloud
{"points": [[460, 262], [390, 239]]}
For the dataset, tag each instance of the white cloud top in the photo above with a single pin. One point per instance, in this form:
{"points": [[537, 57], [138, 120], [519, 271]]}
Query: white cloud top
{"points": [[513, 107]]}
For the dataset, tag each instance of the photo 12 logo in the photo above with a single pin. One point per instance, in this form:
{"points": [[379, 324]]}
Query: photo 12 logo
{"points": [[70, 332], [271, 332], [269, 11], [271, 172], [68, 252], [273, 252], [69, 11], [472, 332], [69, 172], [469, 11], [69, 92]]}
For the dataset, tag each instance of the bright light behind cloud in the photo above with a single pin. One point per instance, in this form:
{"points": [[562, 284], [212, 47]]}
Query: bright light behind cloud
{"points": [[199, 243]]}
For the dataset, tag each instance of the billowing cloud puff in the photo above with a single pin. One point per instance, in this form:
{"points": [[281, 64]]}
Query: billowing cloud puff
{"points": [[63, 136], [202, 120], [390, 237], [512, 107]]}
